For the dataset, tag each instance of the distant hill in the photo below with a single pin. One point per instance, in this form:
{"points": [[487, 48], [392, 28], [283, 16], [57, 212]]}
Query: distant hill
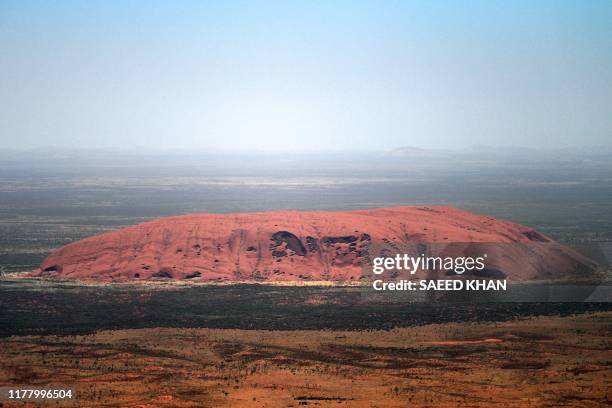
{"points": [[295, 245]]}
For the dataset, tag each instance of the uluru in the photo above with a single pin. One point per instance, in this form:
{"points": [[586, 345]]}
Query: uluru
{"points": [[304, 245]]}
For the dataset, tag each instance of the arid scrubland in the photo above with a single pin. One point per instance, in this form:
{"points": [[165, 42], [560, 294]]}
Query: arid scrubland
{"points": [[525, 362]]}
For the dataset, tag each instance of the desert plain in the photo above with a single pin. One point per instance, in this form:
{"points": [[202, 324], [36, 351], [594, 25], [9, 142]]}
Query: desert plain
{"points": [[536, 361]]}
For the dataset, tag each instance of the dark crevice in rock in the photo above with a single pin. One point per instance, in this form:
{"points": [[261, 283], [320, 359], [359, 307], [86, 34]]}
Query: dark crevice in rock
{"points": [[162, 274], [312, 244], [347, 239], [279, 254], [535, 236], [292, 242]]}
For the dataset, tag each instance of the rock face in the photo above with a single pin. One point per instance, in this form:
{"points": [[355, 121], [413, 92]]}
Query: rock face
{"points": [[293, 245]]}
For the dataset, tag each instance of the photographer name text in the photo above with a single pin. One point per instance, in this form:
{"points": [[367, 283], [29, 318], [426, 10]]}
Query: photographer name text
{"points": [[454, 265]]}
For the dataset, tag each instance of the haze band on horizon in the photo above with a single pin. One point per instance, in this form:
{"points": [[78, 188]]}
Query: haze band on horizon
{"points": [[304, 76]]}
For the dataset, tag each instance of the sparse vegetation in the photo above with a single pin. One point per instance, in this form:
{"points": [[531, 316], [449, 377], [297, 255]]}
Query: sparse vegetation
{"points": [[536, 361], [46, 307]]}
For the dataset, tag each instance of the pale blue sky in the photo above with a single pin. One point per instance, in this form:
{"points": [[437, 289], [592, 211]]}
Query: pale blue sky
{"points": [[305, 75]]}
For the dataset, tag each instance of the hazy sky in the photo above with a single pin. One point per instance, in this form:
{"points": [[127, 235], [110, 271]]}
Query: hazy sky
{"points": [[311, 74]]}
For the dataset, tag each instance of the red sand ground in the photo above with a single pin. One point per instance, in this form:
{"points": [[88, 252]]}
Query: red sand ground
{"points": [[294, 245], [541, 362]]}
